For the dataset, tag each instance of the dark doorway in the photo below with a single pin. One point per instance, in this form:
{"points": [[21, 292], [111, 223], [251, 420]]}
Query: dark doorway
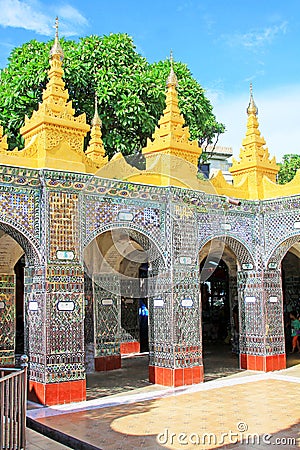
{"points": [[219, 358], [144, 310], [215, 302]]}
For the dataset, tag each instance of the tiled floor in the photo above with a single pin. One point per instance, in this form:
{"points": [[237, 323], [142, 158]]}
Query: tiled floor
{"points": [[124, 413], [264, 407], [35, 441], [224, 413]]}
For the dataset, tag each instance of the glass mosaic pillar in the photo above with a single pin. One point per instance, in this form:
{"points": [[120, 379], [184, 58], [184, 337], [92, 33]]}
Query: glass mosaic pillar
{"points": [[55, 305], [107, 319], [130, 328], [175, 313], [262, 344], [233, 301], [7, 319], [175, 356], [54, 333]]}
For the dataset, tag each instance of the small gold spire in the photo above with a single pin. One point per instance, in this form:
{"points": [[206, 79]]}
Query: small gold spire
{"points": [[171, 137], [172, 78], [3, 141], [252, 108], [96, 150], [255, 163], [56, 48], [96, 119]]}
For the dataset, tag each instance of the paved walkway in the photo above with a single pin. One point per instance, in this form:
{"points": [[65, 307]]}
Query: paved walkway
{"points": [[245, 410], [37, 441]]}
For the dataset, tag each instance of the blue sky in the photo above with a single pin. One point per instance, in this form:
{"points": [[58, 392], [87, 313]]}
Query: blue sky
{"points": [[225, 43]]}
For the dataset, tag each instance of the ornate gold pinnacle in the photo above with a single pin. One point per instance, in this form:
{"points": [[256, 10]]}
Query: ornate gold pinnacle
{"points": [[252, 108], [172, 78], [96, 119], [56, 48], [255, 162]]}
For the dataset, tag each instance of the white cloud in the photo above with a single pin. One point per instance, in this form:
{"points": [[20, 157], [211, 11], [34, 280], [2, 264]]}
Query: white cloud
{"points": [[20, 14], [70, 13], [34, 16], [71, 19], [256, 38], [278, 112]]}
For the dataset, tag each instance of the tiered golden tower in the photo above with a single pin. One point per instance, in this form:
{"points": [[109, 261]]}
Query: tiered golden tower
{"points": [[255, 162], [171, 137], [54, 137]]}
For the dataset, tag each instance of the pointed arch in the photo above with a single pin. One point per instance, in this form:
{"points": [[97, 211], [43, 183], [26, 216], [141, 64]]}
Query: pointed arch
{"points": [[30, 248], [239, 248], [274, 259]]}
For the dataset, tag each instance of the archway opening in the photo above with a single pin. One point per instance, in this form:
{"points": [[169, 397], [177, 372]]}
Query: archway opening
{"points": [[118, 263], [290, 269], [12, 320], [219, 310]]}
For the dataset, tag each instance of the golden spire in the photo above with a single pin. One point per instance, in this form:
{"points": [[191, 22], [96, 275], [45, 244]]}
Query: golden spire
{"points": [[3, 141], [172, 78], [96, 119], [171, 137], [53, 135], [55, 92], [55, 106], [254, 160], [56, 48], [95, 150], [252, 108]]}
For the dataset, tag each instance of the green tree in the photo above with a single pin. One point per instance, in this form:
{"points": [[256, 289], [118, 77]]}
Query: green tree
{"points": [[131, 92], [288, 168]]}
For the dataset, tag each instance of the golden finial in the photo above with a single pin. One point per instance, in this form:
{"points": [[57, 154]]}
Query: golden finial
{"points": [[96, 119], [56, 27], [252, 108], [171, 57], [172, 78], [56, 48]]}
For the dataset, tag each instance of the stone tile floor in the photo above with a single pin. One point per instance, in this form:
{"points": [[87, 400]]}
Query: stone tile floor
{"points": [[222, 413], [36, 441]]}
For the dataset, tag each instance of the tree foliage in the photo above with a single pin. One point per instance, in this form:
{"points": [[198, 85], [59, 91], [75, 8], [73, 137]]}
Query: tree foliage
{"points": [[288, 168], [131, 92]]}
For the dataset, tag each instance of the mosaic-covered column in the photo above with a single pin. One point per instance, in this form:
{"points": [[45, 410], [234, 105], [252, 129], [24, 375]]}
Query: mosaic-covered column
{"points": [[134, 327], [56, 305], [175, 354], [130, 326], [7, 319], [107, 316], [175, 314], [262, 345], [233, 305]]}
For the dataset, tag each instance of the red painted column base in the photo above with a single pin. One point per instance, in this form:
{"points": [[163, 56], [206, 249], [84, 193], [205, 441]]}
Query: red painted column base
{"points": [[129, 347], [263, 363], [57, 393], [176, 377], [104, 363]]}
